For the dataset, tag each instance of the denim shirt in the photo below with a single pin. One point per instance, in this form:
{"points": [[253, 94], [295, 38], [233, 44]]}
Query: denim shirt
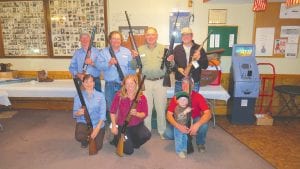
{"points": [[110, 72], [96, 107], [76, 65]]}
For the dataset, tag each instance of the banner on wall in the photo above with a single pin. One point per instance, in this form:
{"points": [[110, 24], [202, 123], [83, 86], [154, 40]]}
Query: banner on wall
{"points": [[182, 21]]}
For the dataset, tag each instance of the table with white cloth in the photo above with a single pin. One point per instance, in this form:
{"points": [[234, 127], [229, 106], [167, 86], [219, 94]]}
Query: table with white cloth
{"points": [[58, 88], [211, 93], [4, 101], [28, 89]]}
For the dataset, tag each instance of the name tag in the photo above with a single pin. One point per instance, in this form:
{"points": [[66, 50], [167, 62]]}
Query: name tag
{"points": [[124, 56], [142, 55]]}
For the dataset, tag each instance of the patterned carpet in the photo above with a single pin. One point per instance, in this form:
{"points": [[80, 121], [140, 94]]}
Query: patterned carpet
{"points": [[278, 144]]}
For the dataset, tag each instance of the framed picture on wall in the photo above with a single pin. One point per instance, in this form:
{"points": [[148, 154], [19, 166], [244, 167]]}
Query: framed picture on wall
{"points": [[137, 30], [22, 29], [71, 18], [217, 16]]}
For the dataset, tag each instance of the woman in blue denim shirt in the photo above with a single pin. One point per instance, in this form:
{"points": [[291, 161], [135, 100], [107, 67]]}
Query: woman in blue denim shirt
{"points": [[96, 106]]}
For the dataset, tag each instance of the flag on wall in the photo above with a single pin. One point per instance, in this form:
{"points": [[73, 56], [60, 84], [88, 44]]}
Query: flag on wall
{"points": [[259, 5], [290, 3]]}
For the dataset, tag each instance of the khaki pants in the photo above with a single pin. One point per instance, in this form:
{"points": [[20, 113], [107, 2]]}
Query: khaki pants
{"points": [[157, 94], [81, 134]]}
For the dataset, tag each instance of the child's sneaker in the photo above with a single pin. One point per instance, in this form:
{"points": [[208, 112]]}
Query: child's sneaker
{"points": [[181, 155]]}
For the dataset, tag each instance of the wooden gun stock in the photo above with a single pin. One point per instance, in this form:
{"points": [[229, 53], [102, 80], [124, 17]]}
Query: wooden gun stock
{"points": [[92, 146], [120, 146], [92, 143]]}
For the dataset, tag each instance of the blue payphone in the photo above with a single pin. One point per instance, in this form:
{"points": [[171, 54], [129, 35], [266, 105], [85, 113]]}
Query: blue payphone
{"points": [[244, 84]]}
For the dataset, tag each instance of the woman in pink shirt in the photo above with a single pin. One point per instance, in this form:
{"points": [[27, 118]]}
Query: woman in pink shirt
{"points": [[136, 133]]}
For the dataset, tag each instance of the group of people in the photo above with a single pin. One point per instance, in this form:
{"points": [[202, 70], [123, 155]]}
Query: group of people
{"points": [[115, 104]]}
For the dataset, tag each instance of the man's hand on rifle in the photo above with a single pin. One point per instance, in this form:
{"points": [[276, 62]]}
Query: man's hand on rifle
{"points": [[134, 54], [112, 61], [193, 129], [170, 58], [181, 70], [182, 128], [196, 55]]}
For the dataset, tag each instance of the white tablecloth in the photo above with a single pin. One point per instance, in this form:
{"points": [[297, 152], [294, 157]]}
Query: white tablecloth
{"points": [[57, 88], [209, 92], [4, 98]]}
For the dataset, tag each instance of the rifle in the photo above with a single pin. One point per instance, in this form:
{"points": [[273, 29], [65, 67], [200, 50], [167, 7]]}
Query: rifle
{"points": [[190, 148], [167, 80], [92, 142], [120, 146], [139, 65], [112, 54], [84, 67], [190, 65]]}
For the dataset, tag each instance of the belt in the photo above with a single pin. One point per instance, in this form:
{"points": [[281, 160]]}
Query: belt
{"points": [[154, 79]]}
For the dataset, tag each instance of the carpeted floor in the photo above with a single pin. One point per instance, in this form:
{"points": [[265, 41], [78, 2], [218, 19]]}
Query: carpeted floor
{"points": [[279, 144], [45, 139]]}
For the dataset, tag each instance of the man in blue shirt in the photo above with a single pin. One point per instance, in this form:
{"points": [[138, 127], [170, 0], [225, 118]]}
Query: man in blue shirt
{"points": [[78, 60], [106, 63]]}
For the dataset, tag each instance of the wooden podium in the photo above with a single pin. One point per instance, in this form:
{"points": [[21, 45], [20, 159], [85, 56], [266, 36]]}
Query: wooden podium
{"points": [[9, 75]]}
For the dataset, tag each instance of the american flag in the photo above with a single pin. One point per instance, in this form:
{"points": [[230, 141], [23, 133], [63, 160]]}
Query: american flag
{"points": [[290, 3], [259, 5]]}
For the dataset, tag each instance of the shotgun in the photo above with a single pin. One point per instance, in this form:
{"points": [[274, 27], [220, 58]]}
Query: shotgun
{"points": [[84, 67], [190, 148], [139, 65], [120, 145], [92, 143], [165, 62], [112, 54]]}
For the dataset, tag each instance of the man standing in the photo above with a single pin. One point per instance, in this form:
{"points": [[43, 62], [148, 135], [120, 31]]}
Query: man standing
{"points": [[79, 59], [107, 63], [200, 115], [186, 55], [152, 54]]}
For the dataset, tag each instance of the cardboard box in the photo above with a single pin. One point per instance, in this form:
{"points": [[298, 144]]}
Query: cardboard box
{"points": [[264, 119], [9, 75], [211, 76]]}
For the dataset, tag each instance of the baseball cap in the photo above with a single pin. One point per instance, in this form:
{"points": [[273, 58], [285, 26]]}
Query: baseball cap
{"points": [[182, 94], [186, 30]]}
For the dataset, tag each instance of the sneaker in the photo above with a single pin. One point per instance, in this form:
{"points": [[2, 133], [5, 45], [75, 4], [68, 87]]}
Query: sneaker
{"points": [[84, 144], [181, 155], [201, 148]]}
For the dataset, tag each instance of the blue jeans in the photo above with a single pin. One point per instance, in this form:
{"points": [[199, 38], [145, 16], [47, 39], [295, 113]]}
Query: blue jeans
{"points": [[178, 86], [201, 133], [180, 141], [111, 89]]}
